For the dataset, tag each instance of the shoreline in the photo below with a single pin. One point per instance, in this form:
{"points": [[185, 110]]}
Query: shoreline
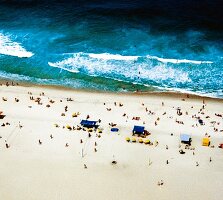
{"points": [[171, 93]]}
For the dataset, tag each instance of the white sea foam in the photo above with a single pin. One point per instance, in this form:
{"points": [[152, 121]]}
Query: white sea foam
{"points": [[178, 61], [108, 56], [121, 69], [62, 65], [8, 47]]}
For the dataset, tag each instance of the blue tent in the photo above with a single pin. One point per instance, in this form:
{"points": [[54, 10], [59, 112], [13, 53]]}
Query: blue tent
{"points": [[89, 124], [114, 129], [138, 129], [185, 138]]}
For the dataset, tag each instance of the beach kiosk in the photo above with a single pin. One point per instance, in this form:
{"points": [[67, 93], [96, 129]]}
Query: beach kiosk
{"points": [[138, 130], [185, 138], [206, 141], [89, 124]]}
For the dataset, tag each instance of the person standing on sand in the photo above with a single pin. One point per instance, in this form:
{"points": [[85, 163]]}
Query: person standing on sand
{"points": [[7, 145]]}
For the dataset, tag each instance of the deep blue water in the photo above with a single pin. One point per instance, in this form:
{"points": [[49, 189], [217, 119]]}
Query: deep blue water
{"points": [[114, 45]]}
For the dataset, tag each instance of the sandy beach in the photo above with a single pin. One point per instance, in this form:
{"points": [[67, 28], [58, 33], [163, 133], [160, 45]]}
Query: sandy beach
{"points": [[42, 159]]}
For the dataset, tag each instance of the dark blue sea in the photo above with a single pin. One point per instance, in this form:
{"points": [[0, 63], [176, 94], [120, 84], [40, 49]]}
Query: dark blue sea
{"points": [[114, 45]]}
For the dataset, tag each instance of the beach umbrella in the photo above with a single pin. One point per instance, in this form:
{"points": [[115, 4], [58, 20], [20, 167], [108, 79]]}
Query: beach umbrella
{"points": [[74, 115], [89, 129], [127, 139], [99, 130], [68, 127], [140, 140], [147, 141], [56, 125], [133, 140]]}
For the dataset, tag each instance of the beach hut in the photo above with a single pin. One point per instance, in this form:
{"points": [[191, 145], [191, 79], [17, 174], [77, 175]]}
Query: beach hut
{"points": [[89, 124], [185, 138], [206, 141], [138, 130]]}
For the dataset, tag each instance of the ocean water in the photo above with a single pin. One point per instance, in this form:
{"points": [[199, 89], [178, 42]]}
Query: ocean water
{"points": [[114, 45]]}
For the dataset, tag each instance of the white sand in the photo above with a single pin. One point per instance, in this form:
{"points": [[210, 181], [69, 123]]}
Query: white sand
{"points": [[52, 171]]}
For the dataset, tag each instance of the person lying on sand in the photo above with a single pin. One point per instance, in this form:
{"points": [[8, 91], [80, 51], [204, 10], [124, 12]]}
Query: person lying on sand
{"points": [[4, 99]]}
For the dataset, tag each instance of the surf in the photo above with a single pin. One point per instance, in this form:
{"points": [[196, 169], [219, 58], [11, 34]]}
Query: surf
{"points": [[120, 67], [12, 48]]}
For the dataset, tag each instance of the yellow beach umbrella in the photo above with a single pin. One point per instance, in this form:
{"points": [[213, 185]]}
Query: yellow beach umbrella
{"points": [[140, 140], [68, 127], [147, 141], [127, 139], [133, 140], [56, 125], [99, 131], [74, 115]]}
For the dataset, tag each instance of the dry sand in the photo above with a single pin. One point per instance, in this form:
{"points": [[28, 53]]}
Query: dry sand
{"points": [[31, 171]]}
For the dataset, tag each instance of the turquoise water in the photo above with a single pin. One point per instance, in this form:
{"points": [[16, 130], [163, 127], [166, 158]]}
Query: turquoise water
{"points": [[114, 46]]}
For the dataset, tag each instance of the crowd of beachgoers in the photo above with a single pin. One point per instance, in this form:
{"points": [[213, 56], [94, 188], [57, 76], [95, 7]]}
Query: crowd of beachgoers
{"points": [[162, 118]]}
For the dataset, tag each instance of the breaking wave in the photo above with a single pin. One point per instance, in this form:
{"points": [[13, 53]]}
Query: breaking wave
{"points": [[137, 69], [8, 47]]}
